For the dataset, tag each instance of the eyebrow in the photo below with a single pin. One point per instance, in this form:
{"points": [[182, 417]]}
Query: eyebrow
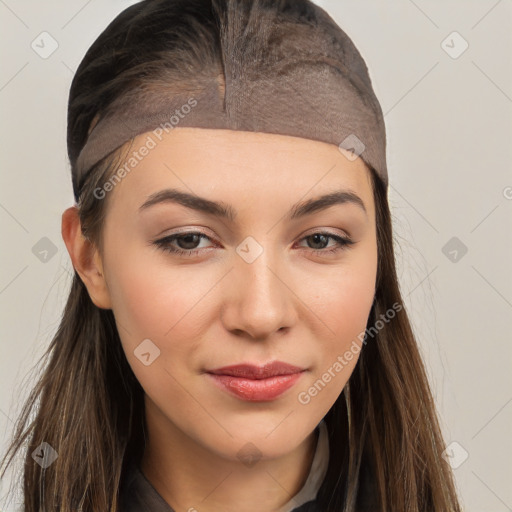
{"points": [[225, 211]]}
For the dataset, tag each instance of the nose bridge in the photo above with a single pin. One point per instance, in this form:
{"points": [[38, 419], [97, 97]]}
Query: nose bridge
{"points": [[260, 301]]}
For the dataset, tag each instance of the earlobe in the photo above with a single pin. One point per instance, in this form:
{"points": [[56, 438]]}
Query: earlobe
{"points": [[85, 258]]}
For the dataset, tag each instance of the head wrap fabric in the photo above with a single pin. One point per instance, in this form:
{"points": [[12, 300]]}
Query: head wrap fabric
{"points": [[302, 77]]}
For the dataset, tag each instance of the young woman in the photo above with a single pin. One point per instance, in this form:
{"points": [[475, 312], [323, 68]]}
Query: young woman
{"points": [[235, 337]]}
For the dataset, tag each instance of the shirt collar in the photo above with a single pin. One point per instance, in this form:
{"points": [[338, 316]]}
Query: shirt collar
{"points": [[317, 472]]}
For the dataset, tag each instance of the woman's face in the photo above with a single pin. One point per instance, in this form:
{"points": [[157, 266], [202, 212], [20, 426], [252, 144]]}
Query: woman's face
{"points": [[262, 278]]}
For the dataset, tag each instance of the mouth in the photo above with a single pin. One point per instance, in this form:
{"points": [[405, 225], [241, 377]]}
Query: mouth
{"points": [[255, 383]]}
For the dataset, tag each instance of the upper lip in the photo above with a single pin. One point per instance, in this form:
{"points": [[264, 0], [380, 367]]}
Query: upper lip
{"points": [[254, 371]]}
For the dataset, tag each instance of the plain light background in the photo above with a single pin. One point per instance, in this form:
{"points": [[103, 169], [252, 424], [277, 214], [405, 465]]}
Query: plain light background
{"points": [[448, 115]]}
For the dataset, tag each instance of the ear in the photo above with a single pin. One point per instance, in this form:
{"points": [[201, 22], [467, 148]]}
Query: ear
{"points": [[85, 258]]}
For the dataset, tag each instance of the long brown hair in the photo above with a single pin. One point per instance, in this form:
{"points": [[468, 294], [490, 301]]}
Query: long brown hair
{"points": [[385, 441]]}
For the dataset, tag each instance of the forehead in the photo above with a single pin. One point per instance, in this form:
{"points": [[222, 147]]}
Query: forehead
{"points": [[231, 165]]}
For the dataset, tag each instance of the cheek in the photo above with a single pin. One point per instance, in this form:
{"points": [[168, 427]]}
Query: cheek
{"points": [[162, 306], [151, 296], [343, 298], [350, 307], [343, 303], [338, 353], [143, 305], [165, 303]]}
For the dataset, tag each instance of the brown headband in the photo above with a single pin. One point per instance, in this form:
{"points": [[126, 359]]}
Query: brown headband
{"points": [[317, 89]]}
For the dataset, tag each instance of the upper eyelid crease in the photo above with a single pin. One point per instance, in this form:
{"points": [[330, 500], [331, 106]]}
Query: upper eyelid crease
{"points": [[165, 242], [222, 210]]}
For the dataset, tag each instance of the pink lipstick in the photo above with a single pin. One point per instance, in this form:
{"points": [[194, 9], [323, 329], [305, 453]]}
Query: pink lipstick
{"points": [[257, 383]]}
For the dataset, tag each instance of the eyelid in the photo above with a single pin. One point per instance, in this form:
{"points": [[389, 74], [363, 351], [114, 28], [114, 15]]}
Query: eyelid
{"points": [[339, 232], [198, 230], [342, 242]]}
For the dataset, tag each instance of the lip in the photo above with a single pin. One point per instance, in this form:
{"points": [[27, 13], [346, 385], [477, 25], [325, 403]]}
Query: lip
{"points": [[254, 371], [255, 383]]}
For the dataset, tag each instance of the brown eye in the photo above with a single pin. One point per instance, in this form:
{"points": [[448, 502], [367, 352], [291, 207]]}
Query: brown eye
{"points": [[319, 242], [185, 243]]}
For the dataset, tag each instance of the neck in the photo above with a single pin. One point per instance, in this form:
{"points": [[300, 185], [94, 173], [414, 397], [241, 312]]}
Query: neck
{"points": [[190, 477]]}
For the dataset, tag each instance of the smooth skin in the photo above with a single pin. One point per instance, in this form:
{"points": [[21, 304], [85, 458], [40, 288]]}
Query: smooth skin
{"points": [[296, 302]]}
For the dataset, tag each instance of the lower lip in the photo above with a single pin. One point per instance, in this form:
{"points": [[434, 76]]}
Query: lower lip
{"points": [[253, 390]]}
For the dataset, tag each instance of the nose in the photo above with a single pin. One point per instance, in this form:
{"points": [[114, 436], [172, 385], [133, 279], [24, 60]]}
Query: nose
{"points": [[259, 299]]}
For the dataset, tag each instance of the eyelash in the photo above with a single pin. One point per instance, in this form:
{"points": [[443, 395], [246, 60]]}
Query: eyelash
{"points": [[165, 243]]}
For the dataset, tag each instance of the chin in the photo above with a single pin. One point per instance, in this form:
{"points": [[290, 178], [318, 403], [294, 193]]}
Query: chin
{"points": [[263, 440]]}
